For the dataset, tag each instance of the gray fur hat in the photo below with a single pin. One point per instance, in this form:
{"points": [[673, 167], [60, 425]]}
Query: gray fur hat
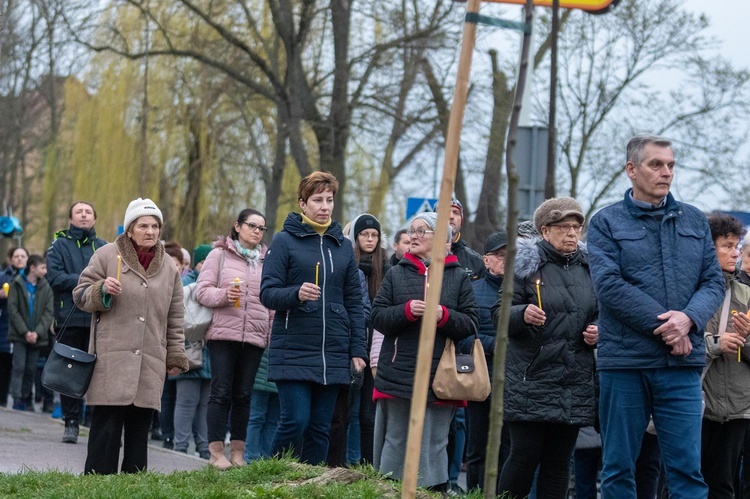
{"points": [[555, 209]]}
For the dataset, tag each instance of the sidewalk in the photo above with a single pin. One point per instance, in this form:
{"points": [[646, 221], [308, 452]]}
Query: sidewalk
{"points": [[32, 441]]}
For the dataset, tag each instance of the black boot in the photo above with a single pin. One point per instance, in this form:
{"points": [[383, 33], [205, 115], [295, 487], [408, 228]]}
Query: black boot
{"points": [[71, 432]]}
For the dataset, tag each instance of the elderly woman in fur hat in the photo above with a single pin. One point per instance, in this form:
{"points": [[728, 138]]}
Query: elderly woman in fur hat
{"points": [[549, 385], [398, 311], [135, 293]]}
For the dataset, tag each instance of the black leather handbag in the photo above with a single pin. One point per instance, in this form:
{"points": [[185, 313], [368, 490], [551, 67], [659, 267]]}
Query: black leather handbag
{"points": [[68, 370]]}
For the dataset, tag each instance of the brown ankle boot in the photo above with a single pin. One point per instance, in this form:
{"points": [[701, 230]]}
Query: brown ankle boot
{"points": [[237, 452], [218, 458]]}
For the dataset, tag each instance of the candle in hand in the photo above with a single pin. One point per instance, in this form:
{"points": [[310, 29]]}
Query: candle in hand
{"points": [[538, 294], [119, 266], [426, 283], [237, 283], [317, 271]]}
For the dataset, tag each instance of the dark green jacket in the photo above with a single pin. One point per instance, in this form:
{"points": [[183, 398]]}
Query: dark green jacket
{"points": [[19, 318]]}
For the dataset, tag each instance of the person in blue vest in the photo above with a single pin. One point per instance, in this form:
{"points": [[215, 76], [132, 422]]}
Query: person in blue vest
{"points": [[68, 255]]}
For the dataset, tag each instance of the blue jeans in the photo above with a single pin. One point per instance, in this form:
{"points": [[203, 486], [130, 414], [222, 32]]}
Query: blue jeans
{"points": [[353, 434], [305, 421], [673, 397], [261, 427], [456, 460]]}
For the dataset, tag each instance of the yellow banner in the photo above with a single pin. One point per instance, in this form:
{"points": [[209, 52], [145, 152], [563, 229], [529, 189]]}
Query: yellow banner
{"points": [[564, 4]]}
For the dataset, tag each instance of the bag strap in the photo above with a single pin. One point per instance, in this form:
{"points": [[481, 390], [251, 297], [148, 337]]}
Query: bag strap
{"points": [[722, 325], [70, 314], [221, 267]]}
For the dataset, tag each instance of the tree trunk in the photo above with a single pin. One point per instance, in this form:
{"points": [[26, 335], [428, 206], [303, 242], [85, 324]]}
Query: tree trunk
{"points": [[498, 375], [489, 215]]}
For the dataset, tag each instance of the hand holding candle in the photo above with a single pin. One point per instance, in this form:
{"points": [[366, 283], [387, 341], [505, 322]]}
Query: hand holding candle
{"points": [[236, 283], [6, 288], [317, 271]]}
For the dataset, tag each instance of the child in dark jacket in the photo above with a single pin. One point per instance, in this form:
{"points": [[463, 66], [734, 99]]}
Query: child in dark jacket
{"points": [[30, 315]]}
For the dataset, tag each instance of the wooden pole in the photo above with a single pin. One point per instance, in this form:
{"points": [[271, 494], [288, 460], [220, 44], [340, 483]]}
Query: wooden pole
{"points": [[498, 366], [427, 332], [549, 181]]}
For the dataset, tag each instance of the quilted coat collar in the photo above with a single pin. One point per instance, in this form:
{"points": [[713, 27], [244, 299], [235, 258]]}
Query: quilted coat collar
{"points": [[671, 209], [129, 257], [294, 225]]}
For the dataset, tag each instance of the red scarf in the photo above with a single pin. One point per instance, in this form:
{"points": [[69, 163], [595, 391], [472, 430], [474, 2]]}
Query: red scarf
{"points": [[144, 256]]}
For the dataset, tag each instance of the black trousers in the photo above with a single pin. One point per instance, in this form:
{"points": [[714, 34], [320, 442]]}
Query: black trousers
{"points": [[233, 369], [72, 408], [339, 426], [477, 431], [366, 417], [6, 367], [546, 445], [721, 446], [107, 426]]}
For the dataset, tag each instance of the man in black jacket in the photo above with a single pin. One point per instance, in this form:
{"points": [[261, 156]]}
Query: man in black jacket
{"points": [[469, 259], [68, 255]]}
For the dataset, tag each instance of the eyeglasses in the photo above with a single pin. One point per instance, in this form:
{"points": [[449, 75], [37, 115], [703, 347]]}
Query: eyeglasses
{"points": [[418, 232], [253, 227], [565, 228], [499, 256], [368, 235]]}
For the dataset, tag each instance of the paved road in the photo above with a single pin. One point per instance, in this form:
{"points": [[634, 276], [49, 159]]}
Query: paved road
{"points": [[32, 441]]}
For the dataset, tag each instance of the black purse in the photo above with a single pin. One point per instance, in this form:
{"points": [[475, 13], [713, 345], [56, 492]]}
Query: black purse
{"points": [[69, 370]]}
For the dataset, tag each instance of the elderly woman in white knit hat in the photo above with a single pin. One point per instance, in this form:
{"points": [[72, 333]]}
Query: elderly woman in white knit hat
{"points": [[549, 366], [135, 294], [397, 312]]}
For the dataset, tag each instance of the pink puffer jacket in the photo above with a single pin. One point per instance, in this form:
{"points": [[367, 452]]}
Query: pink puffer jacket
{"points": [[251, 322]]}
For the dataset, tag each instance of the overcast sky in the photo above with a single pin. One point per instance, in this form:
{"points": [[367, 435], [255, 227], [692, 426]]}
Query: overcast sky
{"points": [[729, 24]]}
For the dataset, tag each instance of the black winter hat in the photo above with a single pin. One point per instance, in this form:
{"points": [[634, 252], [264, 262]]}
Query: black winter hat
{"points": [[363, 222]]}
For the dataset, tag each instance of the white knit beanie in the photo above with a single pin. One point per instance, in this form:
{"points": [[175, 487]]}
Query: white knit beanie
{"points": [[140, 208]]}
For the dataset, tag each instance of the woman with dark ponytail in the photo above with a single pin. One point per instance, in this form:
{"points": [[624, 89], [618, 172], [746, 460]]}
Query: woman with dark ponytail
{"points": [[230, 284]]}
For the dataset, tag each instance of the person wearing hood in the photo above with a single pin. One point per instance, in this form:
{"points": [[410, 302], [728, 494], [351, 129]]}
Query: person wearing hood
{"points": [[229, 283], [549, 388], [366, 236], [68, 255], [397, 312], [311, 280], [728, 375], [135, 290]]}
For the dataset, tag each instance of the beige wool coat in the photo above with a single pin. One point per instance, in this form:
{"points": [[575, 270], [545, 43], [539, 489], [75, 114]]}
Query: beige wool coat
{"points": [[139, 335]]}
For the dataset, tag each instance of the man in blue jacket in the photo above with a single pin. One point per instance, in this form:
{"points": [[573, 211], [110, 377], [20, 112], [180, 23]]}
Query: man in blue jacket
{"points": [[68, 255], [655, 274]]}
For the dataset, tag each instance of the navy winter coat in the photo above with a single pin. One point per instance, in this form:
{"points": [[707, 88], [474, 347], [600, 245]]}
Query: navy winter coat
{"points": [[390, 315], [68, 255], [642, 268], [313, 340], [549, 370], [486, 295]]}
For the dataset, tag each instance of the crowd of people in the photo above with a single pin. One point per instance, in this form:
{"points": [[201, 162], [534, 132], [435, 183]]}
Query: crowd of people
{"points": [[626, 356]]}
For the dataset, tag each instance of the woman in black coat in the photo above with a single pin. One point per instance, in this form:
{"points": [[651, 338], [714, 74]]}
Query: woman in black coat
{"points": [[397, 312], [311, 280], [549, 367]]}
